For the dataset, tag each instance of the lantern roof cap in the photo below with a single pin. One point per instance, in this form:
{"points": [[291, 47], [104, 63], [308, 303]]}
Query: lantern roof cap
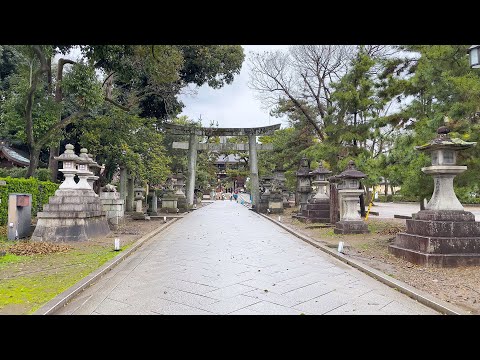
{"points": [[351, 172], [68, 155], [320, 170], [83, 157], [443, 141]]}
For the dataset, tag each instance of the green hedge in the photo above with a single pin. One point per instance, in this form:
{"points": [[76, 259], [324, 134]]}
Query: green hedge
{"points": [[17, 172], [40, 190]]}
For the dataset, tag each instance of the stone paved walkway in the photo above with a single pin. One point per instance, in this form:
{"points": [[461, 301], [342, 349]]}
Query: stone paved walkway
{"points": [[224, 259]]}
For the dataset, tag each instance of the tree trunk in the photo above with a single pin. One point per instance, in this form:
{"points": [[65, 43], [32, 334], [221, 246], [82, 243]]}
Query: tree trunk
{"points": [[52, 163], [34, 159], [386, 187]]}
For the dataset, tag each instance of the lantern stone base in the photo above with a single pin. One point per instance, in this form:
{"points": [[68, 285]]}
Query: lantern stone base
{"points": [[275, 203], [139, 216], [443, 238], [71, 215], [317, 211], [351, 227], [182, 204], [263, 203]]}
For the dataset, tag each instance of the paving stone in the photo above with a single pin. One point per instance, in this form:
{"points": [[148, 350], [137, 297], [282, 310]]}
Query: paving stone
{"points": [[204, 264], [268, 308], [322, 304], [229, 291], [230, 305], [108, 306]]}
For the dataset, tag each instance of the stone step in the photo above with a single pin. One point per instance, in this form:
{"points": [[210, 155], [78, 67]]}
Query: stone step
{"points": [[112, 201], [443, 228], [72, 207], [438, 245], [316, 213], [70, 215], [73, 200], [435, 260]]}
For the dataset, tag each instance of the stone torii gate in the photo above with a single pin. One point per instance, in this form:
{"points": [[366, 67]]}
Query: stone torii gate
{"points": [[193, 146]]}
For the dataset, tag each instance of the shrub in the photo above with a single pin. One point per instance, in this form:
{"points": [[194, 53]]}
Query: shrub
{"points": [[40, 190], [18, 172]]}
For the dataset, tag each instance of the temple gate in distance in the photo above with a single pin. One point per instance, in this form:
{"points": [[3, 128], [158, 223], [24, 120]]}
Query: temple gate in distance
{"points": [[193, 146]]}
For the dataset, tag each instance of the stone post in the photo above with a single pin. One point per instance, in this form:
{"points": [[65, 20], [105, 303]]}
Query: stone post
{"points": [[123, 183], [154, 201], [130, 194], [192, 167], [252, 148]]}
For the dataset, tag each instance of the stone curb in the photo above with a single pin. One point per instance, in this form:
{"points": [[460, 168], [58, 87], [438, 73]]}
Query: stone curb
{"points": [[61, 299], [408, 290]]}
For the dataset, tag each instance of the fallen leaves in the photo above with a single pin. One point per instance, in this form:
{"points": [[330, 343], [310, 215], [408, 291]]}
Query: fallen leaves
{"points": [[35, 248]]}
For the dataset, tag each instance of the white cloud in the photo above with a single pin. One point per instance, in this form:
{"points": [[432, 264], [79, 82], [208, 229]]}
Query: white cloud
{"points": [[233, 105]]}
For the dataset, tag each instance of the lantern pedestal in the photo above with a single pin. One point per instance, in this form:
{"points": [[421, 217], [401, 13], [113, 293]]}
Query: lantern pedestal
{"points": [[169, 203], [441, 238], [275, 203], [71, 215], [444, 197], [317, 210], [350, 220]]}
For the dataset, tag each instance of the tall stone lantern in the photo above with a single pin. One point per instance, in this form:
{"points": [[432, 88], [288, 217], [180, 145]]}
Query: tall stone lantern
{"points": [[83, 167], [92, 178], [321, 182], [318, 207], [266, 183], [349, 193], [279, 178], [304, 187], [444, 234], [69, 160], [181, 198], [443, 152]]}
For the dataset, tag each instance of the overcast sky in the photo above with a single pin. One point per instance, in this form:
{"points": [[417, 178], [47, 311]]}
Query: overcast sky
{"points": [[232, 105]]}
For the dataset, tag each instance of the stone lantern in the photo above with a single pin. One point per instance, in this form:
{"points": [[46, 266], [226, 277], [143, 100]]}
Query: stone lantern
{"points": [[181, 198], [443, 234], [321, 182], [92, 178], [139, 196], [69, 160], [266, 183], [349, 193], [75, 213], [83, 167], [304, 187], [279, 178], [443, 151], [318, 207], [169, 199]]}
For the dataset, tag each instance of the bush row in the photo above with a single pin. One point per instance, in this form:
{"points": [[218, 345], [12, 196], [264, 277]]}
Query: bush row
{"points": [[18, 172], [40, 190]]}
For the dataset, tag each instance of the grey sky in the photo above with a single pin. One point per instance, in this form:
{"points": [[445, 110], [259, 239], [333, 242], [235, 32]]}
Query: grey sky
{"points": [[233, 105]]}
